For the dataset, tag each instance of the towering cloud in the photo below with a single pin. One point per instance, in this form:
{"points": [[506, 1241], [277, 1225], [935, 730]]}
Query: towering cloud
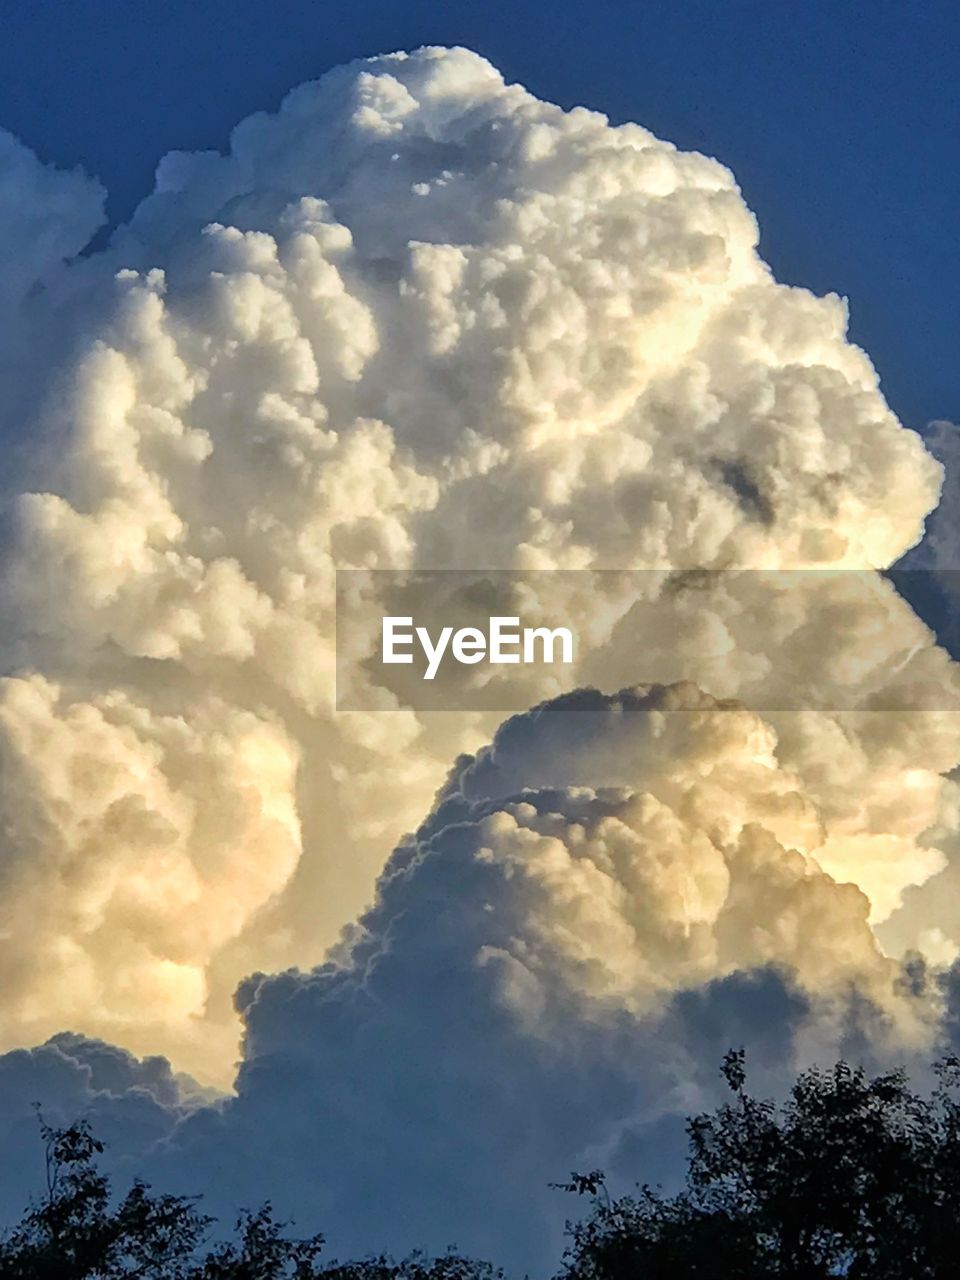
{"points": [[416, 318], [420, 319], [600, 900], [508, 1009]]}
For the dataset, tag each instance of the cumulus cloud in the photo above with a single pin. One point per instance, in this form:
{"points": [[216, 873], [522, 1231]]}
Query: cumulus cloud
{"points": [[47, 215], [145, 843], [940, 548], [551, 970], [928, 577], [131, 1103], [416, 318], [554, 962]]}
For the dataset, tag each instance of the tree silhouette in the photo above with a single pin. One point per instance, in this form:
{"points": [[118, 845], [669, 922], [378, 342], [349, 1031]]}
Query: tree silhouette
{"points": [[852, 1177], [77, 1231]]}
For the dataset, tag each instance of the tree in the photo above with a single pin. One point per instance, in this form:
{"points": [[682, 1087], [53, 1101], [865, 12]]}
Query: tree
{"points": [[74, 1231], [854, 1176], [78, 1231], [451, 1266]]}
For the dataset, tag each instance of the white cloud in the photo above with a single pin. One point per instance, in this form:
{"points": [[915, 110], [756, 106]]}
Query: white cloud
{"points": [[600, 903], [419, 318]]}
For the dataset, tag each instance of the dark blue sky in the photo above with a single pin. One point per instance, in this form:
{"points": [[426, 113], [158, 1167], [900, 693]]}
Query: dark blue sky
{"points": [[840, 119]]}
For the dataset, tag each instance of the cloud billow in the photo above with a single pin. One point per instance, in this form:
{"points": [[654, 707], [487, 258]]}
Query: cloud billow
{"points": [[418, 319]]}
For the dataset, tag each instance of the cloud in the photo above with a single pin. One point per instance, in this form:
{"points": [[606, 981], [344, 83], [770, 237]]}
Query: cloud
{"points": [[927, 576], [415, 318], [599, 904], [143, 841], [131, 1103], [47, 216], [940, 548], [419, 319]]}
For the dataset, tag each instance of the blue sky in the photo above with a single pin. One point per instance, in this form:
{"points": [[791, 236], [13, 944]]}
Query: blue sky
{"points": [[840, 119]]}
